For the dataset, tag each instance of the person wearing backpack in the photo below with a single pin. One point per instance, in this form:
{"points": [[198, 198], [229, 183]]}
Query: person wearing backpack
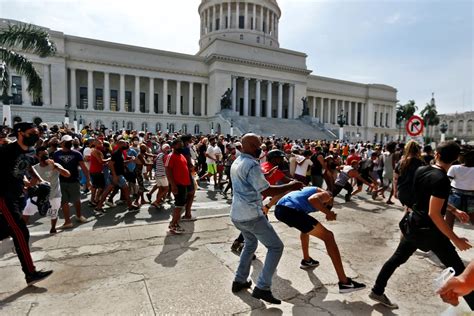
{"points": [[404, 173]]}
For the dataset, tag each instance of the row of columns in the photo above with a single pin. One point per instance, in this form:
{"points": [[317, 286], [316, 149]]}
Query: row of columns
{"points": [[90, 93], [333, 109], [382, 111], [209, 18], [258, 97]]}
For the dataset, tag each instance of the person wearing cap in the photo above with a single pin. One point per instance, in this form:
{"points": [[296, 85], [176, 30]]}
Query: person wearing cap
{"points": [[17, 159], [71, 160]]}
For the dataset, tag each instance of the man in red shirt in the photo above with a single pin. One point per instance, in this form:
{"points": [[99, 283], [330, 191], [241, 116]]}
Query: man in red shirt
{"points": [[177, 173], [352, 157]]}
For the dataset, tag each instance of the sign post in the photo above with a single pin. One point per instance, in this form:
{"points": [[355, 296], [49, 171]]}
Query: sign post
{"points": [[415, 126]]}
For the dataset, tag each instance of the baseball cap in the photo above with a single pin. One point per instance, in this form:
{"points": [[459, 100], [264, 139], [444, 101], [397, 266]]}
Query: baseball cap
{"points": [[275, 153], [66, 138]]}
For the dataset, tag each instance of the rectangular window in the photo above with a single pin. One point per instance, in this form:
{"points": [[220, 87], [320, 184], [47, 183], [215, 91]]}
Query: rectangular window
{"points": [[218, 24], [128, 101], [99, 99], [241, 106], [181, 105], [142, 102], [386, 120], [169, 104], [381, 119], [210, 27], [264, 27], [375, 119], [251, 24], [18, 97], [241, 22], [155, 102], [114, 100], [359, 119], [83, 102], [226, 22]]}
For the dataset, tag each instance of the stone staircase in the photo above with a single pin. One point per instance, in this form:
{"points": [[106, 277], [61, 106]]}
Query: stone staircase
{"points": [[304, 127]]}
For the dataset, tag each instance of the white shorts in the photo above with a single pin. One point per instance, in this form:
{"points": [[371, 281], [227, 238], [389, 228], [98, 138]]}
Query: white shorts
{"points": [[31, 209], [162, 182]]}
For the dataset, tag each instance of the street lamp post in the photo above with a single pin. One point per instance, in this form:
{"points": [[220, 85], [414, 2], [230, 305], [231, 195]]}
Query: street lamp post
{"points": [[231, 128], [75, 122], [341, 120], [81, 123], [443, 127], [212, 128], [66, 114]]}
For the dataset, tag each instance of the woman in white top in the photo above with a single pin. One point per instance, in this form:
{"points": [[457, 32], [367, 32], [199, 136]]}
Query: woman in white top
{"points": [[462, 183]]}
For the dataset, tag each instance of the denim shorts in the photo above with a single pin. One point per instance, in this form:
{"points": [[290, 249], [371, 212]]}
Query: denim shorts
{"points": [[462, 201]]}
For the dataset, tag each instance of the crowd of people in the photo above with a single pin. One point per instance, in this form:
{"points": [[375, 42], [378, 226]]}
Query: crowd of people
{"points": [[295, 177]]}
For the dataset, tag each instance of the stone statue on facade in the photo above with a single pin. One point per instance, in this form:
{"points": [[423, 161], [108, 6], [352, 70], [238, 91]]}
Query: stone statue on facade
{"points": [[305, 106], [226, 100]]}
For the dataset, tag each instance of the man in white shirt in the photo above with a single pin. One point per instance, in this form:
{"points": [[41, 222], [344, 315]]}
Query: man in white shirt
{"points": [[213, 155], [302, 164]]}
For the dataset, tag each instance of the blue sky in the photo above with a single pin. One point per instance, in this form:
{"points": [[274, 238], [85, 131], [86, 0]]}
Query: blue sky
{"points": [[419, 47]]}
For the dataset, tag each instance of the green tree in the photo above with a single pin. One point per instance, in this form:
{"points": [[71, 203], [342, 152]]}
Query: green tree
{"points": [[24, 38], [410, 109], [430, 115]]}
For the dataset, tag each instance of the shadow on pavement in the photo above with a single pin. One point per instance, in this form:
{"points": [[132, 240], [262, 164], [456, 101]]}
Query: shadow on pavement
{"points": [[23, 292]]}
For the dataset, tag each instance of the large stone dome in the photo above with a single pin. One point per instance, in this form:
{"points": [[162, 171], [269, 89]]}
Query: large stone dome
{"points": [[254, 21]]}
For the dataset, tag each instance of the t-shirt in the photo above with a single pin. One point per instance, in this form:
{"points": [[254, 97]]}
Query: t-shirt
{"points": [[351, 158], [87, 153], [302, 169], [179, 167], [131, 152], [213, 152], [15, 163], [429, 181], [298, 200], [160, 165], [48, 173], [70, 161], [343, 176], [462, 177], [317, 168], [117, 159], [275, 177], [387, 165]]}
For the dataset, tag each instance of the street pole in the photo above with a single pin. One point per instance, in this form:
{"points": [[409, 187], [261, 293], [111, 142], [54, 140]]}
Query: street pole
{"points": [[443, 128], [341, 120]]}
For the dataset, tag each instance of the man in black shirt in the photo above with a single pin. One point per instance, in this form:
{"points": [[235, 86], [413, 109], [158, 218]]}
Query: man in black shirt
{"points": [[426, 228], [16, 160]]}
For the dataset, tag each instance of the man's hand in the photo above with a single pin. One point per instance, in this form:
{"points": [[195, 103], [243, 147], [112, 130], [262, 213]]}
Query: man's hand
{"points": [[331, 216], [463, 217], [462, 243], [451, 291]]}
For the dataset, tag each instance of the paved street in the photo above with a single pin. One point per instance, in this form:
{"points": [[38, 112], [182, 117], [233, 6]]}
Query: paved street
{"points": [[126, 264]]}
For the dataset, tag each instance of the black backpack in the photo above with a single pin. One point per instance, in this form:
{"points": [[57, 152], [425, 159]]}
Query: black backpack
{"points": [[405, 182]]}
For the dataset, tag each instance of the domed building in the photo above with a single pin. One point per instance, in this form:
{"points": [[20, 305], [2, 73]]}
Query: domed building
{"points": [[241, 79]]}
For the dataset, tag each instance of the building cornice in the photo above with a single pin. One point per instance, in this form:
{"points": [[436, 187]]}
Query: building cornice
{"points": [[353, 83], [352, 95], [234, 60]]}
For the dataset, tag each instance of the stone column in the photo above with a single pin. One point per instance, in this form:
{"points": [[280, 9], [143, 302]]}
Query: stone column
{"points": [[207, 21], [191, 97], [349, 113], [165, 96], [151, 98], [229, 15], [234, 93], [246, 16], [254, 17], [106, 91], [280, 101], [258, 98], [269, 99], [137, 95], [73, 89], [90, 90], [291, 104], [237, 15], [313, 109], [46, 85], [221, 17], [322, 110], [203, 99], [25, 96], [213, 18], [329, 111], [267, 24], [261, 19], [178, 97], [246, 96], [122, 93]]}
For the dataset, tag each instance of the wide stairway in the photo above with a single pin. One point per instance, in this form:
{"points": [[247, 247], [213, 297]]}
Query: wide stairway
{"points": [[294, 129]]}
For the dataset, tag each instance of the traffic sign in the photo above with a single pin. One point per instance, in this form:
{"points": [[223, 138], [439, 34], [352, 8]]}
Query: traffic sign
{"points": [[415, 126]]}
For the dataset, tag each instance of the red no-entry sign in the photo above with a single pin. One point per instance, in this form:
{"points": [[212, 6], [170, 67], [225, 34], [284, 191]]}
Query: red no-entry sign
{"points": [[415, 126]]}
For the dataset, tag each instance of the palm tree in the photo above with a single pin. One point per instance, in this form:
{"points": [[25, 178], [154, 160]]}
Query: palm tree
{"points": [[401, 115], [410, 109], [404, 112], [26, 38], [430, 114]]}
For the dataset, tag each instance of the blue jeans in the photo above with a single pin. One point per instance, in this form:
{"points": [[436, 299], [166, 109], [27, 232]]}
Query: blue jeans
{"points": [[254, 231]]}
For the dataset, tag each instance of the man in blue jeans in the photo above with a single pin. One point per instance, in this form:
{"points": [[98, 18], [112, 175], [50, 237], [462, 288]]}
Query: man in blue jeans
{"points": [[249, 185]]}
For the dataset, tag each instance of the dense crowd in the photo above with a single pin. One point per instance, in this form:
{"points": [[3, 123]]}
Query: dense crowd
{"points": [[57, 165]]}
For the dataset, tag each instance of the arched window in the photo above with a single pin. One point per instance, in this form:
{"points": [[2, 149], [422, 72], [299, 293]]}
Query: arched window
{"points": [[158, 127], [129, 125], [115, 127], [460, 128], [171, 128], [145, 126], [98, 124], [37, 121], [17, 119], [184, 129], [196, 129]]}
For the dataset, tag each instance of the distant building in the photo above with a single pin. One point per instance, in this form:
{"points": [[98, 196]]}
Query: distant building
{"points": [[460, 126], [122, 86]]}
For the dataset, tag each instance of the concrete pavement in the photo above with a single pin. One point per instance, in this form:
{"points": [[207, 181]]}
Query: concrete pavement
{"points": [[135, 268]]}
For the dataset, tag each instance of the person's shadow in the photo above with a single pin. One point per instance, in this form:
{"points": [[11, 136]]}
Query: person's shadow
{"points": [[175, 246], [21, 293]]}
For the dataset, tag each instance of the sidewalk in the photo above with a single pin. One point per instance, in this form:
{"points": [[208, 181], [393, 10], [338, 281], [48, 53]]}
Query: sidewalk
{"points": [[140, 270]]}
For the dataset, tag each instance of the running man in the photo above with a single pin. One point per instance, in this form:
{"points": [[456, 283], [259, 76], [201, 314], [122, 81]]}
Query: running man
{"points": [[294, 208]]}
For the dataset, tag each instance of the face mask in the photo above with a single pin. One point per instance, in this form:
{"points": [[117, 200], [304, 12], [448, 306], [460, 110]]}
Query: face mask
{"points": [[30, 140], [258, 152], [68, 145], [179, 150], [44, 158]]}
